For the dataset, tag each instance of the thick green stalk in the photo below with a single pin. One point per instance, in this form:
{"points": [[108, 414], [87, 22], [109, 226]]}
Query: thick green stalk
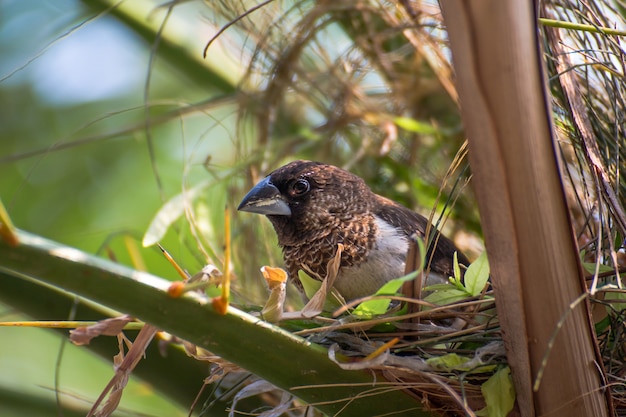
{"points": [[289, 362]]}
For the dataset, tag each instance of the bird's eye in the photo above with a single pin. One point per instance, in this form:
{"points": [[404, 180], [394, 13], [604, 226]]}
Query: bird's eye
{"points": [[300, 187]]}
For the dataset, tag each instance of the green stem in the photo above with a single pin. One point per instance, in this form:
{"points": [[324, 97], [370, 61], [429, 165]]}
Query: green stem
{"points": [[582, 27], [287, 361]]}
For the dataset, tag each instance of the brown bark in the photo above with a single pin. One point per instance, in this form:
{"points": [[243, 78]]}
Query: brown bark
{"points": [[533, 255]]}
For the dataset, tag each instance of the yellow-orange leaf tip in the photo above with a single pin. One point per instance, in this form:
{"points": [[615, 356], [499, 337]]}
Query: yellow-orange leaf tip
{"points": [[273, 276]]}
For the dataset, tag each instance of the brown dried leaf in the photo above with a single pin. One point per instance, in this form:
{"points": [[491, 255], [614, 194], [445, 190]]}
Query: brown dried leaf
{"points": [[276, 279], [273, 276], [109, 327], [124, 366], [316, 304], [204, 355]]}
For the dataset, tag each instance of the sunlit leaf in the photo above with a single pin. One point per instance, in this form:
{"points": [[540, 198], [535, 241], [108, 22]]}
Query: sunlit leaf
{"points": [[415, 126], [449, 362], [311, 286], [169, 213], [373, 308], [446, 296], [499, 394], [457, 271], [477, 275], [379, 306]]}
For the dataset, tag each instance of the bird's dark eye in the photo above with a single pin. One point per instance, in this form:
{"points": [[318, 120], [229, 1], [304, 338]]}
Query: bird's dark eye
{"points": [[300, 187]]}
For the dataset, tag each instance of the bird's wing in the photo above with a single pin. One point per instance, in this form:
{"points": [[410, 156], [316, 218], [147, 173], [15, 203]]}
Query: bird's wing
{"points": [[410, 222]]}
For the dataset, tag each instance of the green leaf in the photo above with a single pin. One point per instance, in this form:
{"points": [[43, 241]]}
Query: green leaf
{"points": [[443, 287], [590, 267], [477, 275], [616, 295], [499, 394], [379, 306], [456, 362], [311, 286], [603, 325], [447, 296], [415, 126], [449, 362], [15, 402], [457, 270], [373, 308]]}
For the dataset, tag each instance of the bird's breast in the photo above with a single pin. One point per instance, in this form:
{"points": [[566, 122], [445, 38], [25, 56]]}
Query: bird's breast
{"points": [[385, 261]]}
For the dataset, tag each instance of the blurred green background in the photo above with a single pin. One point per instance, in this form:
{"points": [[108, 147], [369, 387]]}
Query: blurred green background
{"points": [[75, 167]]}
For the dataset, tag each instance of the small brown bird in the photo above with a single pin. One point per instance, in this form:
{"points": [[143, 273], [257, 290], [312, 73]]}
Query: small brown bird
{"points": [[315, 206]]}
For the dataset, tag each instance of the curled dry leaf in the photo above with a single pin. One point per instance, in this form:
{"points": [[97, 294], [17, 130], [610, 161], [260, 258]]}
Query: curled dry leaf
{"points": [[316, 304], [274, 276], [110, 397], [109, 327], [262, 387], [276, 279], [116, 385], [209, 273], [204, 355]]}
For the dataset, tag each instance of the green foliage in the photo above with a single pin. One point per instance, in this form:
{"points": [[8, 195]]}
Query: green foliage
{"points": [[499, 394], [471, 284], [415, 126], [296, 365], [455, 362], [372, 308], [477, 275]]}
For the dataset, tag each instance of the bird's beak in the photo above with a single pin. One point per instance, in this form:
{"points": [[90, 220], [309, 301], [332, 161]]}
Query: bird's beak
{"points": [[265, 198]]}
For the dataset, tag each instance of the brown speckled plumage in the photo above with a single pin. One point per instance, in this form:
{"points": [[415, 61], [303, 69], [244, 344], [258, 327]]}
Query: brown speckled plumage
{"points": [[328, 206]]}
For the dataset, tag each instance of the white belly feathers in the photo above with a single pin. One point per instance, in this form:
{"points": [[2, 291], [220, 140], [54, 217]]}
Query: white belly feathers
{"points": [[385, 262]]}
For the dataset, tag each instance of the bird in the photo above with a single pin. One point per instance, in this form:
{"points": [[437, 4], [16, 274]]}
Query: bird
{"points": [[314, 206]]}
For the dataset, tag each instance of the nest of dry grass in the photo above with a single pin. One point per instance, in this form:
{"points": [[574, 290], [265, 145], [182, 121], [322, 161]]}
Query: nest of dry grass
{"points": [[440, 355]]}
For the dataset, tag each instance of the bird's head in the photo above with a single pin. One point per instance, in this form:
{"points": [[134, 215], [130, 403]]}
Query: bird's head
{"points": [[305, 199]]}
